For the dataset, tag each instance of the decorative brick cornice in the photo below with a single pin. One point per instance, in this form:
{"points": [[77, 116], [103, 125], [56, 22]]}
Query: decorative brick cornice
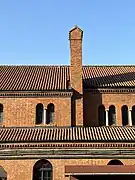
{"points": [[110, 91], [29, 94], [67, 145], [66, 153]]}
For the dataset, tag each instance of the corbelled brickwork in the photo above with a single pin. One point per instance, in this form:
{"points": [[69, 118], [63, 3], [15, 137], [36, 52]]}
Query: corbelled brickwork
{"points": [[22, 111]]}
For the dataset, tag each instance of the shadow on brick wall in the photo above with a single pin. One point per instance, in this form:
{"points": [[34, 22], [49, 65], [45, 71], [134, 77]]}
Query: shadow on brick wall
{"points": [[92, 100]]}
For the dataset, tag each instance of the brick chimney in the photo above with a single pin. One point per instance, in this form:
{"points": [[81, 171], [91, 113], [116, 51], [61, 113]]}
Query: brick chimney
{"points": [[75, 37]]}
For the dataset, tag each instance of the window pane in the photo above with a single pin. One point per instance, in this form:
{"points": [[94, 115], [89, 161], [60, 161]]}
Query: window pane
{"points": [[45, 174], [49, 174]]}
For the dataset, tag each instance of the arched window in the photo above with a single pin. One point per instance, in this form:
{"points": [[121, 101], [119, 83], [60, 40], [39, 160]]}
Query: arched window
{"points": [[39, 113], [42, 170], [3, 174], [112, 115], [115, 162], [50, 113], [1, 113], [101, 115], [133, 115], [124, 111]]}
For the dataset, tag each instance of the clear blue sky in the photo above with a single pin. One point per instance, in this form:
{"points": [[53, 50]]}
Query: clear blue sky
{"points": [[36, 31]]}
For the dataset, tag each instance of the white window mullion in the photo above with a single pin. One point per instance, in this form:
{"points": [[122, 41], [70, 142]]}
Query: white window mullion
{"points": [[106, 112], [130, 117], [44, 116]]}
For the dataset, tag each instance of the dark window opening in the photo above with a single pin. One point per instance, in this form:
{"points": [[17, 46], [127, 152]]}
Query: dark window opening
{"points": [[133, 115], [124, 110], [1, 113], [50, 113], [3, 174], [101, 115], [112, 115], [39, 113], [115, 162], [42, 170]]}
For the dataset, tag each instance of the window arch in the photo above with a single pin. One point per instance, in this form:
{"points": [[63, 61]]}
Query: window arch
{"points": [[115, 162], [124, 111], [133, 115], [1, 113], [112, 115], [101, 115], [3, 174], [39, 113], [50, 113], [42, 170]]}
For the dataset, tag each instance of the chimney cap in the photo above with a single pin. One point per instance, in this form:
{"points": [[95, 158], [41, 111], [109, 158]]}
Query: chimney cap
{"points": [[79, 30]]}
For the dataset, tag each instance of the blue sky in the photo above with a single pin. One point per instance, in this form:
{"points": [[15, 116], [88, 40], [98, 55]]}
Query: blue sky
{"points": [[36, 31]]}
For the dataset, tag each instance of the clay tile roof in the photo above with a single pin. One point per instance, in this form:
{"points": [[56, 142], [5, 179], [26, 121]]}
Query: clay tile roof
{"points": [[109, 76], [36, 78], [66, 134], [33, 77]]}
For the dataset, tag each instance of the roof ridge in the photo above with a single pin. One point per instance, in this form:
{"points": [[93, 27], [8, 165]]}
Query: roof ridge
{"points": [[32, 65], [110, 65], [57, 65]]}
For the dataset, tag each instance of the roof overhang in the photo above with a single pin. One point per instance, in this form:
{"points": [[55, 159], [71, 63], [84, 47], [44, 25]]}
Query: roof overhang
{"points": [[35, 94], [99, 169]]}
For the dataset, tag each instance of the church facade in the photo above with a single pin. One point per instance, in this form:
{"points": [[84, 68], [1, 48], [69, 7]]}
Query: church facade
{"points": [[67, 122]]}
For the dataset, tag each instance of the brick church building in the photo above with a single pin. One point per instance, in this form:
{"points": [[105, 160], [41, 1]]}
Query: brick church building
{"points": [[67, 122]]}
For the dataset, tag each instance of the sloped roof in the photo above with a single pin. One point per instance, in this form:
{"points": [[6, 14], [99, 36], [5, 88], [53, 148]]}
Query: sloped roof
{"points": [[38, 78], [66, 134], [109, 76], [33, 77]]}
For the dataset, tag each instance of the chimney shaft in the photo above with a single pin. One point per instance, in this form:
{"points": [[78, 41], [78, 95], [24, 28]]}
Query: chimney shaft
{"points": [[75, 37]]}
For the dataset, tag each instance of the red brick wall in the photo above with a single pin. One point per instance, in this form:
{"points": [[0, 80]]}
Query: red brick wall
{"points": [[23, 169], [22, 111], [93, 100]]}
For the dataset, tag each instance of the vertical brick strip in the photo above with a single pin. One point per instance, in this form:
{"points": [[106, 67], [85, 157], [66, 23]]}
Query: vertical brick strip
{"points": [[75, 37]]}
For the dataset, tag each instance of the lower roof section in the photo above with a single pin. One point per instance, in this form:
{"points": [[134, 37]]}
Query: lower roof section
{"points": [[67, 134], [101, 169]]}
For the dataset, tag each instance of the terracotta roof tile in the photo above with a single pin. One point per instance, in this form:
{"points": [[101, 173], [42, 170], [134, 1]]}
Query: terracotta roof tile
{"points": [[33, 77], [91, 134], [109, 76], [55, 77]]}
